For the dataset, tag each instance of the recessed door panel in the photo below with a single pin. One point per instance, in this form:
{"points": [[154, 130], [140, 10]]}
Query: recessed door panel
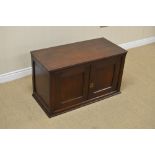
{"points": [[104, 73], [104, 77], [71, 86]]}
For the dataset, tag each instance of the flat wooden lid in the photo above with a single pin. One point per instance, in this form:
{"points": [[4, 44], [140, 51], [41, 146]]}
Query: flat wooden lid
{"points": [[54, 58]]}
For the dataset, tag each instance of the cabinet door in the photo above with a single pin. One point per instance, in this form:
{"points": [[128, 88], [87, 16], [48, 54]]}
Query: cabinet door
{"points": [[104, 77], [71, 87]]}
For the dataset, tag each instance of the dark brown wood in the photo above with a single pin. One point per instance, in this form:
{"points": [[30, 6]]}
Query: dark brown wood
{"points": [[104, 76], [71, 86], [76, 53], [70, 76]]}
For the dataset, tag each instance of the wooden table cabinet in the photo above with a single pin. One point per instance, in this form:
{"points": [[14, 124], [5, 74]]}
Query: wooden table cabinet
{"points": [[73, 75]]}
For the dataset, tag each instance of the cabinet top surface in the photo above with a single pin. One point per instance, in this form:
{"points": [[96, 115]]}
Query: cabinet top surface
{"points": [[76, 53]]}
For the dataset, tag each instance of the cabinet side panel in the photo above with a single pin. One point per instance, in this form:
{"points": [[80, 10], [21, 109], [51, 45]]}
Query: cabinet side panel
{"points": [[33, 75], [41, 83], [121, 71]]}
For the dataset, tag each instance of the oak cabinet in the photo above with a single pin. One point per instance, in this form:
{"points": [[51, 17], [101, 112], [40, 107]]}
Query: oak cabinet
{"points": [[70, 76]]}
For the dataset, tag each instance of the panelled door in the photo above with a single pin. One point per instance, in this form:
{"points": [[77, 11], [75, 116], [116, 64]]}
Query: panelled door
{"points": [[104, 76], [80, 83], [71, 86]]}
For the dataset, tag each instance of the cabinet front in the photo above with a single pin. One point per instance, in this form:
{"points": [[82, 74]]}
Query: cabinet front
{"points": [[104, 77], [71, 87]]}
